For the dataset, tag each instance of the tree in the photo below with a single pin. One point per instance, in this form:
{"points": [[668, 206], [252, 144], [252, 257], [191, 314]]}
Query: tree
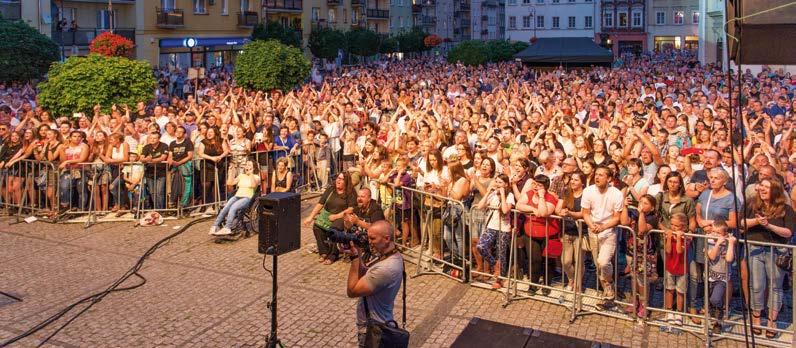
{"points": [[79, 83], [519, 46], [25, 53], [412, 41], [268, 65], [112, 45], [362, 42], [277, 31], [325, 42], [499, 50], [388, 45], [470, 53]]}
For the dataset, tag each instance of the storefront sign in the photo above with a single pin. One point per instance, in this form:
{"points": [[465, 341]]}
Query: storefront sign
{"points": [[203, 42]]}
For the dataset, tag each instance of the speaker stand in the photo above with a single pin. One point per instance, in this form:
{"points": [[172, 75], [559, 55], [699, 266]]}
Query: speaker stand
{"points": [[273, 340]]}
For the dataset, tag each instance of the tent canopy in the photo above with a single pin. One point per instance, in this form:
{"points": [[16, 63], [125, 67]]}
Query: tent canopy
{"points": [[565, 50]]}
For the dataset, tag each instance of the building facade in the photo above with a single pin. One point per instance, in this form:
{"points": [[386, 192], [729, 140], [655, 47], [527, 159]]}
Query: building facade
{"points": [[36, 13], [444, 19], [400, 16], [489, 22], [552, 18], [462, 21], [623, 26], [712, 47], [673, 24]]}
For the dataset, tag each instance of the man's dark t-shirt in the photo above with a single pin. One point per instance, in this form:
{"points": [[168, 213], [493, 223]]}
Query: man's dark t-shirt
{"points": [[180, 150], [373, 213], [155, 151]]}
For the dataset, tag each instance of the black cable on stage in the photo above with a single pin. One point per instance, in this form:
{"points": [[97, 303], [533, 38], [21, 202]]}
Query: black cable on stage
{"points": [[96, 298]]}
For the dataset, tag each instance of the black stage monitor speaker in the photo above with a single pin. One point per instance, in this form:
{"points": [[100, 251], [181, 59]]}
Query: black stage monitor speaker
{"points": [[279, 219], [762, 35]]}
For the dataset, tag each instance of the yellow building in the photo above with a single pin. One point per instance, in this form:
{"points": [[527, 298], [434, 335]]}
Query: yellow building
{"points": [[183, 33], [75, 23]]}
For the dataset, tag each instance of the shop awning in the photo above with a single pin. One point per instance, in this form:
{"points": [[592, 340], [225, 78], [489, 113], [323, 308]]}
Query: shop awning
{"points": [[565, 50], [204, 41]]}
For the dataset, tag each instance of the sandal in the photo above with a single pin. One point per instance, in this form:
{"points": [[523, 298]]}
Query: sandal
{"points": [[322, 258], [771, 334], [756, 331], [695, 320], [328, 262]]}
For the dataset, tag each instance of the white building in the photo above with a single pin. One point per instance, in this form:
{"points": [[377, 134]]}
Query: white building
{"points": [[673, 24], [488, 19], [712, 44], [551, 18]]}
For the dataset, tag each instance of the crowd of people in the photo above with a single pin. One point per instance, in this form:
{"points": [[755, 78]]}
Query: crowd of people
{"points": [[661, 143]]}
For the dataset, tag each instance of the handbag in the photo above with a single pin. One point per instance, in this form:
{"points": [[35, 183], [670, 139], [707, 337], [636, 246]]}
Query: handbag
{"points": [[322, 220], [389, 334], [784, 260]]}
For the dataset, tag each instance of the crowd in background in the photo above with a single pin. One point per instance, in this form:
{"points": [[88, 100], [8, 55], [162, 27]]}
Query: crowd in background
{"points": [[656, 144]]}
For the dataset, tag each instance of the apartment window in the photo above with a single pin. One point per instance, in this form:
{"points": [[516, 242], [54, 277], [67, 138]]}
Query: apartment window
{"points": [[224, 7], [402, 21], [392, 24], [541, 2], [168, 4], [200, 6], [695, 17], [660, 18], [571, 22], [678, 17], [512, 2], [571, 0], [587, 22], [556, 1], [608, 19], [332, 15], [526, 21], [106, 18], [513, 22], [636, 19], [621, 20], [555, 23], [316, 14], [244, 5], [526, 1], [540, 21]]}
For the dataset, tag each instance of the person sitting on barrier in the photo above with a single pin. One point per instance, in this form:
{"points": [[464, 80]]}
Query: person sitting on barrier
{"points": [[246, 182], [154, 155], [768, 220], [541, 230], [641, 249], [675, 279], [336, 201], [602, 206], [71, 185], [499, 201], [720, 254], [282, 178]]}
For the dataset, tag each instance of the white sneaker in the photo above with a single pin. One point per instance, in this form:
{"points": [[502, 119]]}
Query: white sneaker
{"points": [[223, 232], [678, 320], [213, 230], [669, 318]]}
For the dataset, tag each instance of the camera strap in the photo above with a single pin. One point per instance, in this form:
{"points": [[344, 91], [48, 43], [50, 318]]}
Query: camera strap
{"points": [[403, 295]]}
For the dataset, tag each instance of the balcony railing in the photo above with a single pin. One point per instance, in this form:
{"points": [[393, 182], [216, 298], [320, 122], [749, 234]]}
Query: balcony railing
{"points": [[374, 13], [11, 10], [463, 6], [428, 21], [248, 19], [624, 29], [417, 8], [333, 2], [465, 22], [359, 3], [283, 5], [84, 36], [170, 17]]}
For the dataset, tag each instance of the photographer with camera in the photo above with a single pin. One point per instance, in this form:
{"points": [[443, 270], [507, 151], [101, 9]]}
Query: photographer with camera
{"points": [[366, 212], [377, 284]]}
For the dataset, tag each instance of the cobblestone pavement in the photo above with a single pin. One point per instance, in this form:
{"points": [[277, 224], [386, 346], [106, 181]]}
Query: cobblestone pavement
{"points": [[202, 294]]}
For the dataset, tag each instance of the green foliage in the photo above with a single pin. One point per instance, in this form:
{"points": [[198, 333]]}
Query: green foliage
{"points": [[388, 45], [479, 52], [268, 65], [24, 52], [412, 41], [362, 42], [79, 83], [275, 30], [325, 42], [470, 53]]}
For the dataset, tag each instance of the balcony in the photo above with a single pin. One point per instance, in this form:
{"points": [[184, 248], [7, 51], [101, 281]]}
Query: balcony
{"points": [[283, 5], [463, 6], [465, 22], [417, 8], [428, 21], [248, 19], [358, 3], [333, 2], [381, 14], [84, 36], [170, 17], [11, 9], [485, 32]]}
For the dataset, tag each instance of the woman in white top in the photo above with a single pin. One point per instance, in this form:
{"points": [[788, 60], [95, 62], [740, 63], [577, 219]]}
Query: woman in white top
{"points": [[116, 153], [246, 182], [499, 201]]}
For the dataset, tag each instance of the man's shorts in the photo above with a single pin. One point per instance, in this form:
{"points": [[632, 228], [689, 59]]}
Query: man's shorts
{"points": [[674, 282]]}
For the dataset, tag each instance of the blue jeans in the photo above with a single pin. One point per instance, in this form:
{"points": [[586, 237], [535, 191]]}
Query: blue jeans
{"points": [[765, 274], [231, 210], [157, 191], [453, 230], [70, 187]]}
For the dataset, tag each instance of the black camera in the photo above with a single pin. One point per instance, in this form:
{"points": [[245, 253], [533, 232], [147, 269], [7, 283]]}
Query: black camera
{"points": [[358, 236]]}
